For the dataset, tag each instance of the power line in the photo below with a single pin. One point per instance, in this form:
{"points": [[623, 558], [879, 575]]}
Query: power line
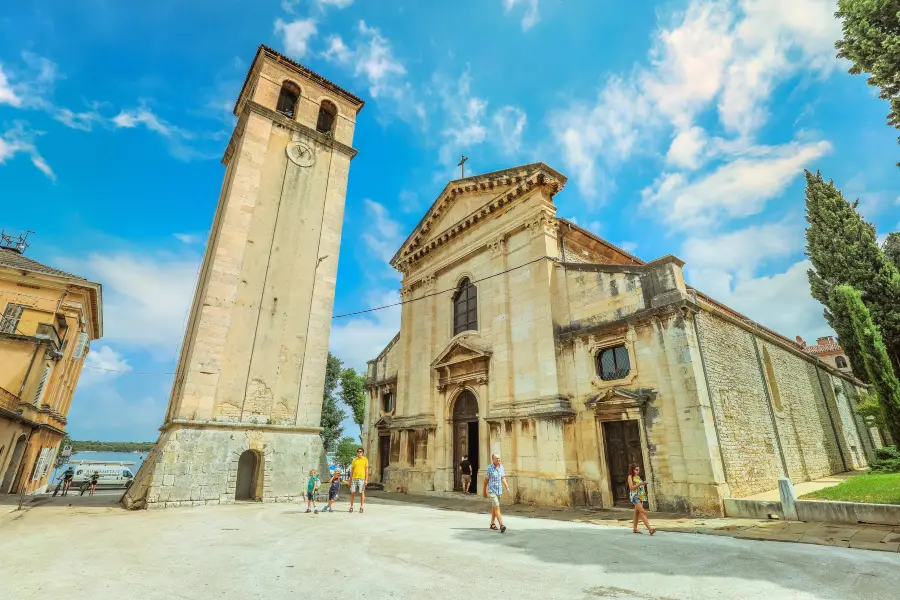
{"points": [[358, 312]]}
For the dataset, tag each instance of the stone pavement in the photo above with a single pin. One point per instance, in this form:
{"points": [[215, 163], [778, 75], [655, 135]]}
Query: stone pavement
{"points": [[864, 537], [250, 551]]}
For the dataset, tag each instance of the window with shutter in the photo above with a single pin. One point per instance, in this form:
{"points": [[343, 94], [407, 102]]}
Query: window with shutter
{"points": [[42, 386], [11, 316]]}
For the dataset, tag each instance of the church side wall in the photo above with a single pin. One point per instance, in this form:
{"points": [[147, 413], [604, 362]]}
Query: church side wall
{"points": [[772, 415]]}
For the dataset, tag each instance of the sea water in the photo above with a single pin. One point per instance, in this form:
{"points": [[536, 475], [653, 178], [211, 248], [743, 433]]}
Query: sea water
{"points": [[127, 457]]}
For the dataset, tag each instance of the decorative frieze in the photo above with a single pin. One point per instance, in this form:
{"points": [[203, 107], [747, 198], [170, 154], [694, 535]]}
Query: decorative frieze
{"points": [[543, 223]]}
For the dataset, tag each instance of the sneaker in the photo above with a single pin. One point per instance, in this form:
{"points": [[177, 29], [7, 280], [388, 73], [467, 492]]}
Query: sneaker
{"points": [[316, 511], [308, 511]]}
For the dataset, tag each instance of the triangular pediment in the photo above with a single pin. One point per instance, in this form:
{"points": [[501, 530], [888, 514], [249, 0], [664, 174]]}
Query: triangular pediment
{"points": [[459, 351], [464, 203]]}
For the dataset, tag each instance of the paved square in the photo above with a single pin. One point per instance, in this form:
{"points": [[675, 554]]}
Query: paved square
{"points": [[400, 550]]}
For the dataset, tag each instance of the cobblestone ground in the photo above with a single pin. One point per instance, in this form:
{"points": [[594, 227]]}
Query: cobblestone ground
{"points": [[402, 550]]}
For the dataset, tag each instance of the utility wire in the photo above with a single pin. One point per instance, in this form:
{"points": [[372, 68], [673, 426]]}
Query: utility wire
{"points": [[350, 314]]}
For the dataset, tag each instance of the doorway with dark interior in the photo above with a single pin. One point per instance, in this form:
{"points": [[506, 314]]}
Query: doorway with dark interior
{"points": [[465, 438], [623, 447], [247, 474], [384, 454]]}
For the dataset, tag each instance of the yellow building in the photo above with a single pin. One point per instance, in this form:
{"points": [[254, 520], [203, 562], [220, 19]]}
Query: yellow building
{"points": [[48, 320]]}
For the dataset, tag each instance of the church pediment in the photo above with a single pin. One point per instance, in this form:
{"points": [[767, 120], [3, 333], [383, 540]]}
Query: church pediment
{"points": [[617, 401], [461, 350], [463, 362], [466, 202]]}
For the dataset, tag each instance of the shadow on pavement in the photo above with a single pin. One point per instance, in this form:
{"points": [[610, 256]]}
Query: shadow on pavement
{"points": [[618, 549]]}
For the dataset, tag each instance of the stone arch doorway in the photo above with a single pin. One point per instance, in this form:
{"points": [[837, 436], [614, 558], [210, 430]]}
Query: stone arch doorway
{"points": [[465, 437], [248, 476], [14, 460]]}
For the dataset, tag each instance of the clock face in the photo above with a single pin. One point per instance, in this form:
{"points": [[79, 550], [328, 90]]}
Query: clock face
{"points": [[300, 154]]}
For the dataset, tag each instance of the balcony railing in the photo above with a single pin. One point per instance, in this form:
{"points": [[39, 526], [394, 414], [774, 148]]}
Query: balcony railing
{"points": [[46, 331]]}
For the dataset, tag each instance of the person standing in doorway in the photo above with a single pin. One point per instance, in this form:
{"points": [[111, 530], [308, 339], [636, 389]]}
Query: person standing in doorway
{"points": [[637, 491], [359, 479], [465, 473], [494, 481]]}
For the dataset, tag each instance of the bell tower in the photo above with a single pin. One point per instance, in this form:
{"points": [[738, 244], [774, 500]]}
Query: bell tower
{"points": [[244, 412]]}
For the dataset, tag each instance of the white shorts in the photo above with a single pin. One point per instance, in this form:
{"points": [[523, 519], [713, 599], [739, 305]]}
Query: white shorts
{"points": [[495, 499], [357, 486]]}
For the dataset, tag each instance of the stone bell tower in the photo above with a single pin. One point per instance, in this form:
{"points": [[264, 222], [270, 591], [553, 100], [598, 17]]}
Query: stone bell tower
{"points": [[244, 413]]}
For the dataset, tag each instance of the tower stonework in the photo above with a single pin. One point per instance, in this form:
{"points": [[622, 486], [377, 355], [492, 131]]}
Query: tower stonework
{"points": [[246, 402]]}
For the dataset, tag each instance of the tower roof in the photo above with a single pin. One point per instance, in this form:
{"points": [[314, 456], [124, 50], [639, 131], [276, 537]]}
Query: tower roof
{"points": [[280, 58]]}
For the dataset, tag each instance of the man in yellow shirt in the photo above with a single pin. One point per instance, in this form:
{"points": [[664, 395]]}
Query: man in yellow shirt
{"points": [[359, 478]]}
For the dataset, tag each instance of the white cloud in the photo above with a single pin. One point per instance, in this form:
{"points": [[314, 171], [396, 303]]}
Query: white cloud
{"points": [[372, 59], [781, 302], [724, 54], [509, 123], [129, 119], [339, 4], [83, 121], [383, 235], [530, 17], [295, 36], [146, 298], [734, 190], [628, 246], [101, 411], [189, 238], [356, 340], [102, 364], [7, 94], [20, 140]]}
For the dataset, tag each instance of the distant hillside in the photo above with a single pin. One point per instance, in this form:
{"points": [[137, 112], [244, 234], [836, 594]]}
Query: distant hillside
{"points": [[89, 446]]}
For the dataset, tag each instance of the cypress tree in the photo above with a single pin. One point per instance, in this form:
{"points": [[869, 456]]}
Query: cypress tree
{"points": [[891, 248], [332, 415], [843, 250], [848, 302]]}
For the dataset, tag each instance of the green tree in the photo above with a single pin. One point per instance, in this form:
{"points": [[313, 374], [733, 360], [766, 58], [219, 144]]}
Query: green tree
{"points": [[885, 385], [871, 41], [353, 394], [58, 461], [346, 452], [332, 415], [842, 248], [891, 248]]}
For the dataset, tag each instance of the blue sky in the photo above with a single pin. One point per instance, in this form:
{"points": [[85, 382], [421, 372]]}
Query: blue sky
{"points": [[683, 127]]}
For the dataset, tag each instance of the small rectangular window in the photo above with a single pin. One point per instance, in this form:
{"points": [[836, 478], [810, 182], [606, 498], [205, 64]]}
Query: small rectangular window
{"points": [[613, 363], [11, 316]]}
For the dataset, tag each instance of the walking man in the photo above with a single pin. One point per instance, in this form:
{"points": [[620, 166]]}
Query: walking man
{"points": [[465, 473], [494, 481], [359, 478]]}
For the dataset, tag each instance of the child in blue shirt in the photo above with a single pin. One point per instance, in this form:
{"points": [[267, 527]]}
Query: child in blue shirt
{"points": [[311, 488]]}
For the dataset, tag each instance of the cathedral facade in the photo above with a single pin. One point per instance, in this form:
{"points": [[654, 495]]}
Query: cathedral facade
{"points": [[526, 335]]}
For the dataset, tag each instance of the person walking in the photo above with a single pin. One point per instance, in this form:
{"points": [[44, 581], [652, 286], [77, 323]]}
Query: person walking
{"points": [[494, 481], [312, 488], [334, 489], [359, 479], [465, 473], [637, 491], [94, 479]]}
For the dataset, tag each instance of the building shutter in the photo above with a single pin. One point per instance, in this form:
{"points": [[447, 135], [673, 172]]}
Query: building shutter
{"points": [[80, 346], [40, 467], [42, 386], [11, 316]]}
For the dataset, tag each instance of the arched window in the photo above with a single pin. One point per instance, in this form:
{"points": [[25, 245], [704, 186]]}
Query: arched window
{"points": [[465, 307], [327, 114], [841, 362], [773, 383], [613, 363], [287, 99]]}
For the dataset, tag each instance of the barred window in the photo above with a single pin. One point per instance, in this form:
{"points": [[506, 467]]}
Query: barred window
{"points": [[465, 307], [841, 362], [613, 363]]}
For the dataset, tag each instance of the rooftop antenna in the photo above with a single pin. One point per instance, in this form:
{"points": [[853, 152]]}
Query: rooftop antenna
{"points": [[462, 166], [15, 243]]}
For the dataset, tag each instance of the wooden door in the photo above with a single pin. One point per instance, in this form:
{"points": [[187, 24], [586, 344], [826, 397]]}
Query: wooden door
{"points": [[623, 447], [384, 454]]}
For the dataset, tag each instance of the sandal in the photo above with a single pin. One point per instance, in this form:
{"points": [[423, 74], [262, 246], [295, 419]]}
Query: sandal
{"points": [[638, 532], [494, 527], [652, 531], [503, 529], [351, 509]]}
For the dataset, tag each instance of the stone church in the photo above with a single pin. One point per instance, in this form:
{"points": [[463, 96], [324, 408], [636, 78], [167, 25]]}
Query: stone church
{"points": [[524, 334]]}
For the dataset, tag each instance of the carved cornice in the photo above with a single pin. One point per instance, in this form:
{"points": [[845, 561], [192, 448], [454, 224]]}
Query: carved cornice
{"points": [[498, 246], [616, 401], [520, 181], [422, 421], [538, 408], [543, 223]]}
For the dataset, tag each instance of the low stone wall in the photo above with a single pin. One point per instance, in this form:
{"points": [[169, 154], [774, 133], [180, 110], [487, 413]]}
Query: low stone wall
{"points": [[820, 511]]}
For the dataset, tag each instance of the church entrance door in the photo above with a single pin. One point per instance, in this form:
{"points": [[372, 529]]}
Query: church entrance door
{"points": [[465, 437], [623, 447], [384, 454]]}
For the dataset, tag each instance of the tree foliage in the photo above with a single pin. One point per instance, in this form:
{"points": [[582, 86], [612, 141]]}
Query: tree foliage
{"points": [[353, 394], [871, 41], [885, 385], [891, 248], [346, 452], [96, 446], [843, 250], [332, 415]]}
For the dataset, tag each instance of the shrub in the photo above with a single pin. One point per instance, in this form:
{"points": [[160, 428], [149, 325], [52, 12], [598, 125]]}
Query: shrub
{"points": [[891, 465], [887, 453]]}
